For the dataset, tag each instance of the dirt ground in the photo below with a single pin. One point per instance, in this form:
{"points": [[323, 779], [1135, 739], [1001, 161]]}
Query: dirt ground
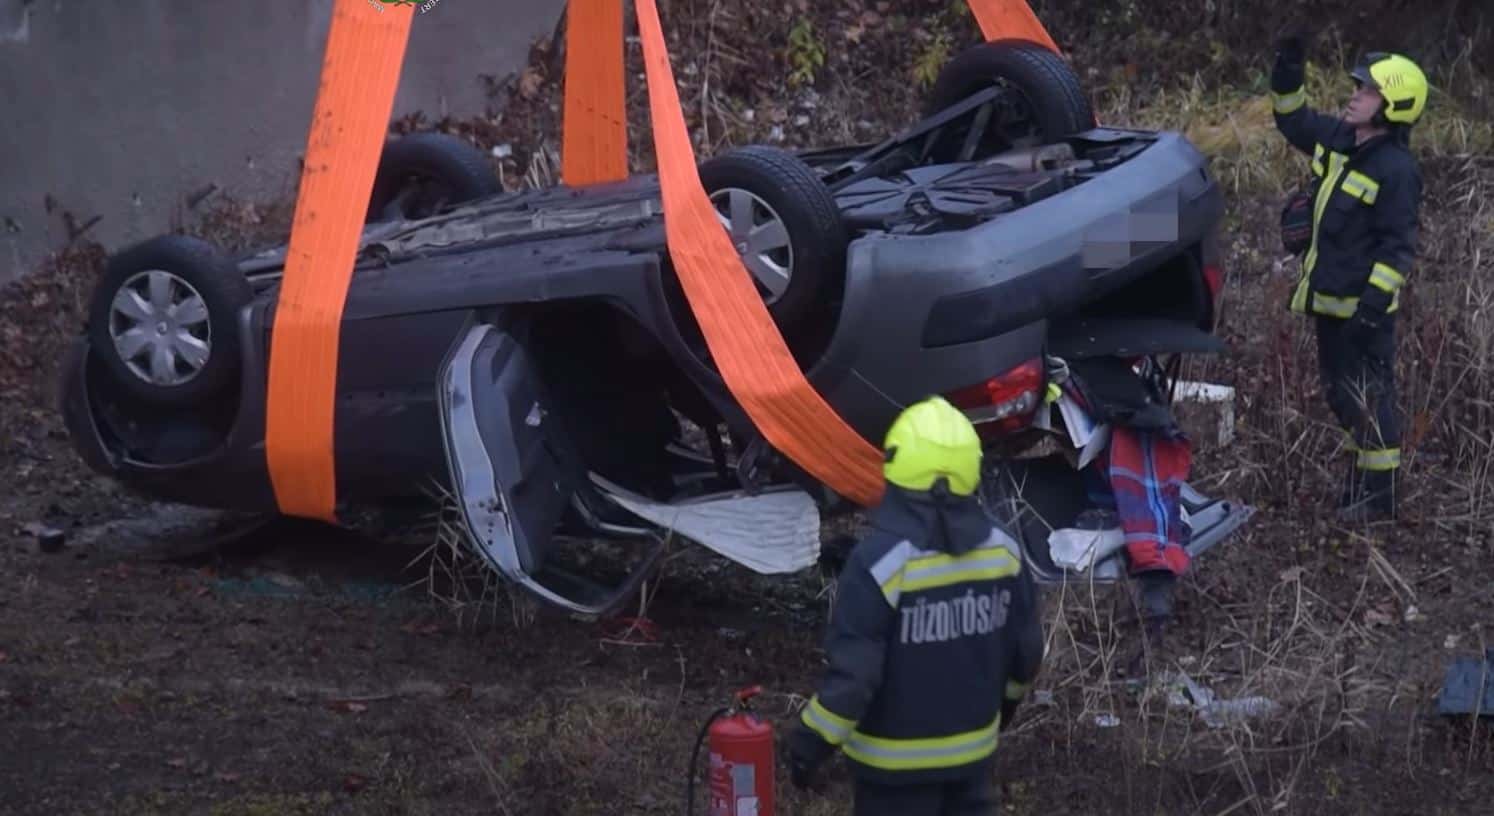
{"points": [[169, 661], [157, 663]]}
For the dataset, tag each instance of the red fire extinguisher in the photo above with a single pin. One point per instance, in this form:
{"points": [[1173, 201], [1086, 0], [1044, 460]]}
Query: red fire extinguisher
{"points": [[741, 760]]}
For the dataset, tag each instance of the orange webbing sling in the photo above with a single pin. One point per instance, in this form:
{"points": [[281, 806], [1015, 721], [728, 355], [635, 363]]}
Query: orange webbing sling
{"points": [[1000, 19], [360, 72], [751, 354], [594, 124]]}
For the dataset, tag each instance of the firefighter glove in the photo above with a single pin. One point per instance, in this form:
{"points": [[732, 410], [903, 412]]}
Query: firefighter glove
{"points": [[1292, 44], [1361, 328], [1291, 55], [1009, 713], [1291, 48], [806, 752]]}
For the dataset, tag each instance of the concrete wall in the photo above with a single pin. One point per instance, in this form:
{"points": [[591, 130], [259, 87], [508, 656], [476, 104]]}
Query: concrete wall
{"points": [[121, 109]]}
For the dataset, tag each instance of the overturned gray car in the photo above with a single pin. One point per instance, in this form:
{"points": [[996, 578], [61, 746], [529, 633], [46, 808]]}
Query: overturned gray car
{"points": [[533, 352]]}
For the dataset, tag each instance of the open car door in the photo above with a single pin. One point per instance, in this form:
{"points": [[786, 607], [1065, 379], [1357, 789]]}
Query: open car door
{"points": [[511, 472], [516, 477]]}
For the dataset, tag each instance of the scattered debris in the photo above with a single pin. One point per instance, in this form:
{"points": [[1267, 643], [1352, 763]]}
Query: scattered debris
{"points": [[164, 532], [1220, 397], [773, 532], [1468, 687], [48, 539], [1185, 692], [1095, 536]]}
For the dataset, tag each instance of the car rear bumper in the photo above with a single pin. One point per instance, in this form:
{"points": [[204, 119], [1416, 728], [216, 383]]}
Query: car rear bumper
{"points": [[930, 314]]}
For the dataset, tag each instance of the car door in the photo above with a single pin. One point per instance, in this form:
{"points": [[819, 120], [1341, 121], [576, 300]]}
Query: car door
{"points": [[507, 478], [512, 472]]}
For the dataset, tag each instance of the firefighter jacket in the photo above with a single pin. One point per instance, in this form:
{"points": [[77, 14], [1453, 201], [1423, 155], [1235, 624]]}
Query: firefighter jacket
{"points": [[935, 631], [1365, 207]]}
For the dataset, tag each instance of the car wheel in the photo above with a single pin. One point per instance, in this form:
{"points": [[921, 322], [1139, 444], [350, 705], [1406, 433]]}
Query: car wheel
{"points": [[164, 319], [1049, 102], [420, 173], [784, 224]]}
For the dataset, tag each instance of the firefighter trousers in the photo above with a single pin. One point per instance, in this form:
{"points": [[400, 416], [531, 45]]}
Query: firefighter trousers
{"points": [[971, 796], [1358, 377]]}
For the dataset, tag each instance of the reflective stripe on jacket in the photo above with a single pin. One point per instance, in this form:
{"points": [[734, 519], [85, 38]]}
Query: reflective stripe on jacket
{"points": [[1364, 223], [935, 625]]}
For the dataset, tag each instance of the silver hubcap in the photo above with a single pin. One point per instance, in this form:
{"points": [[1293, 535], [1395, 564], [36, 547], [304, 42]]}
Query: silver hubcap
{"points": [[160, 327], [760, 237]]}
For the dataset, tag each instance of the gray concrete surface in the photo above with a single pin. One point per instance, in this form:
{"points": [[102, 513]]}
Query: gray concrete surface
{"points": [[123, 109]]}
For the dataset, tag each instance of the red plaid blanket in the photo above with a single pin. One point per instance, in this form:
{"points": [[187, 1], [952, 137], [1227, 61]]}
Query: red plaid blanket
{"points": [[1146, 471], [1139, 476]]}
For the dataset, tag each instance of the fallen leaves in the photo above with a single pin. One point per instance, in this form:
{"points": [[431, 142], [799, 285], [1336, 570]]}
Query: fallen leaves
{"points": [[416, 628], [530, 82]]}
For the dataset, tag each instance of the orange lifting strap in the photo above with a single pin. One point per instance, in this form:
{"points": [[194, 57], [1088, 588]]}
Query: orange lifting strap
{"points": [[360, 75], [1003, 19], [595, 148], [751, 354], [360, 72]]}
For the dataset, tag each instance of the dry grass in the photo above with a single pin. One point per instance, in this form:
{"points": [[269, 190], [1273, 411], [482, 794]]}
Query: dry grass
{"points": [[1322, 655], [1285, 648], [1233, 123], [457, 579], [1330, 623]]}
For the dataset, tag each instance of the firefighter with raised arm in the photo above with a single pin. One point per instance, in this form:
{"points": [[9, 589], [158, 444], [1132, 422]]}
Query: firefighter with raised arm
{"points": [[1356, 227], [935, 636]]}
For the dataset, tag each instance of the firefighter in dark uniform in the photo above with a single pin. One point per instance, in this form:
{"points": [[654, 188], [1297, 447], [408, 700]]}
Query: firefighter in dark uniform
{"points": [[934, 638], [1359, 252]]}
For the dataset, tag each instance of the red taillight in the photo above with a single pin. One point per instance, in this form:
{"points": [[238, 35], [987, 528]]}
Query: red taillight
{"points": [[1214, 278], [1004, 403]]}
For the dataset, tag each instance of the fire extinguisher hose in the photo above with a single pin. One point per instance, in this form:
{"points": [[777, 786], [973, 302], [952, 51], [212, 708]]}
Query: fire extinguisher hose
{"points": [[695, 758]]}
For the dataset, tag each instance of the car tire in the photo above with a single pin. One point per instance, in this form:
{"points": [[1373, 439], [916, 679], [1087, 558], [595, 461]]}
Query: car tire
{"points": [[163, 320], [794, 274], [1051, 94], [432, 169]]}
